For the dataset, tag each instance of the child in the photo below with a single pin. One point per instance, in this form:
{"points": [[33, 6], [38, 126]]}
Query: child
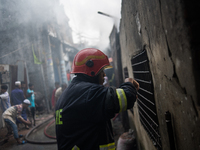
{"points": [[31, 97]]}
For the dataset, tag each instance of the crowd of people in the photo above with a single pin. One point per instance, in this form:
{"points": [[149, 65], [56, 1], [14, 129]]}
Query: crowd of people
{"points": [[20, 105], [16, 107]]}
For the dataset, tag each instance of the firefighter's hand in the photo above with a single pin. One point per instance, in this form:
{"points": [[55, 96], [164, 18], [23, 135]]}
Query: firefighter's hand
{"points": [[135, 83]]}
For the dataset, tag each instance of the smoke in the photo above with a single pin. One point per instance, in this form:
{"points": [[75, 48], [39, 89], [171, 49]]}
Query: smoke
{"points": [[30, 12], [23, 26], [22, 21], [89, 26]]}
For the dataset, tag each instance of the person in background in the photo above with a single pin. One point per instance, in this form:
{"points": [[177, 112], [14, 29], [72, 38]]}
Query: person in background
{"points": [[68, 76], [57, 85], [106, 82], [9, 117], [17, 97], [28, 110], [59, 91], [31, 97], [5, 99], [23, 88]]}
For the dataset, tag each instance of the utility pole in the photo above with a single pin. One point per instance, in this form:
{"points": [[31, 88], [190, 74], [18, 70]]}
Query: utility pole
{"points": [[50, 79], [62, 64], [62, 61], [115, 19]]}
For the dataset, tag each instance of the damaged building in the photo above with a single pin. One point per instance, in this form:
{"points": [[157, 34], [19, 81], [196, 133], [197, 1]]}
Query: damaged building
{"points": [[159, 48], [34, 35]]}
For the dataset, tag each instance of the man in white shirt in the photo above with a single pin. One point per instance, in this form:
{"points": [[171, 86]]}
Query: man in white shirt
{"points": [[59, 91], [10, 115], [5, 99]]}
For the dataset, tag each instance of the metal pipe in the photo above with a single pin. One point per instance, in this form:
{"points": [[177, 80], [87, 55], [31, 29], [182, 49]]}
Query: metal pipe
{"points": [[151, 134], [101, 13], [170, 130], [148, 124], [145, 98], [139, 54], [139, 63], [140, 71], [147, 107], [149, 82], [146, 91], [148, 115]]}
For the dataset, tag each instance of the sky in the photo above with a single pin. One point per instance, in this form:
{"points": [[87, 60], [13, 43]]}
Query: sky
{"points": [[89, 26]]}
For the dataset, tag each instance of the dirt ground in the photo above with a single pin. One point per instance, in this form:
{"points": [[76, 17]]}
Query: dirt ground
{"points": [[10, 142]]}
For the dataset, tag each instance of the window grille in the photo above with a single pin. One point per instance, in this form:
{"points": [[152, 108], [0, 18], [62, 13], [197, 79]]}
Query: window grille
{"points": [[146, 101]]}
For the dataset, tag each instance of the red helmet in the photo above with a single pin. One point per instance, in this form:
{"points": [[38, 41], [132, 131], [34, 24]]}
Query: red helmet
{"points": [[89, 61]]}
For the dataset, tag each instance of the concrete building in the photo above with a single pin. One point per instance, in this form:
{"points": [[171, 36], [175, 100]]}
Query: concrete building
{"points": [[116, 55], [28, 31], [159, 47]]}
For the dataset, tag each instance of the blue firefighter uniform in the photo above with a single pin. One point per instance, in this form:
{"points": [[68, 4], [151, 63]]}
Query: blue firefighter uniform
{"points": [[83, 114]]}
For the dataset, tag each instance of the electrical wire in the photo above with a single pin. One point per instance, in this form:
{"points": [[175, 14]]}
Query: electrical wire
{"points": [[19, 49], [16, 50]]}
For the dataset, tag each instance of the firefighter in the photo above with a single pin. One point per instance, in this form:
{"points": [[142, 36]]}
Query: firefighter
{"points": [[84, 110]]}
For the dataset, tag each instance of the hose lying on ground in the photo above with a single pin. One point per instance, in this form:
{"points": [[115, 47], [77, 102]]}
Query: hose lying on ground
{"points": [[49, 136], [39, 142]]}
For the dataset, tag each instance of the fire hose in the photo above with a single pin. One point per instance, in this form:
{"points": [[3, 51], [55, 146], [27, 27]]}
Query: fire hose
{"points": [[49, 136], [41, 142]]}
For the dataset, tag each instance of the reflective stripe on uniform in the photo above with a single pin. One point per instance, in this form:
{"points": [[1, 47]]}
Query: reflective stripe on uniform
{"points": [[58, 117], [75, 148], [122, 99], [110, 146]]}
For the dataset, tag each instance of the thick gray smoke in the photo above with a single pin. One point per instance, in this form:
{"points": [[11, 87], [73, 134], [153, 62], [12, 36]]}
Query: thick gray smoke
{"points": [[23, 21], [89, 26], [21, 12]]}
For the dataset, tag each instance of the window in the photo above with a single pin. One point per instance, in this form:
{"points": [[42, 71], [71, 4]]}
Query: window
{"points": [[146, 101]]}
